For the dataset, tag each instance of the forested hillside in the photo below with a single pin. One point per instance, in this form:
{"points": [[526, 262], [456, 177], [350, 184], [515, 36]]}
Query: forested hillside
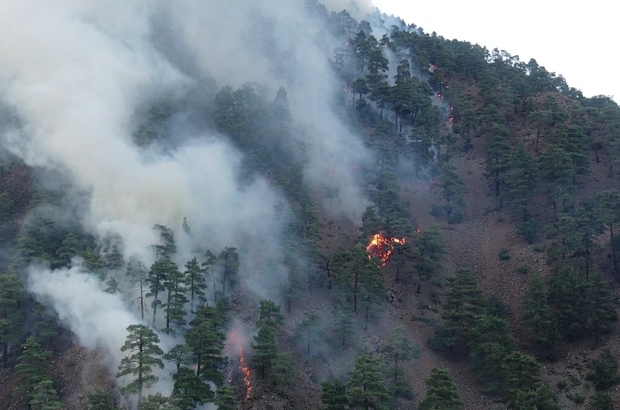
{"points": [[288, 205]]}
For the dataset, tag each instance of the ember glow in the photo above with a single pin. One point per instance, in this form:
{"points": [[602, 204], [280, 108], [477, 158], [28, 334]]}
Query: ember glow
{"points": [[235, 346], [381, 247]]}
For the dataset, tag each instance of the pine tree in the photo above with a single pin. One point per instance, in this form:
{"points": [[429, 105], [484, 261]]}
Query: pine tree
{"points": [[604, 371], [398, 348], [539, 398], [225, 398], [599, 305], [209, 269], [539, 319], [522, 374], [609, 201], [282, 372], [11, 296], [144, 355], [168, 247], [101, 400], [31, 367], [158, 277], [230, 259], [366, 389], [206, 339], [189, 390], [441, 392], [45, 397], [265, 348], [308, 330], [195, 280], [463, 304], [180, 355], [174, 307], [568, 295], [138, 280], [269, 314], [334, 396], [344, 326], [157, 402]]}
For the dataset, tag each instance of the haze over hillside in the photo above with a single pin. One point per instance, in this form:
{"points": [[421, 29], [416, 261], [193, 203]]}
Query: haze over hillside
{"points": [[231, 204]]}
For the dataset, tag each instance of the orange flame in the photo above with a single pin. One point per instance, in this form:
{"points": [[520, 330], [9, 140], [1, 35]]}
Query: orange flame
{"points": [[381, 247], [237, 343]]}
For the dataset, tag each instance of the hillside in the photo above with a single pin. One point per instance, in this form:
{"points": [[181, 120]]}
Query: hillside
{"points": [[287, 205]]}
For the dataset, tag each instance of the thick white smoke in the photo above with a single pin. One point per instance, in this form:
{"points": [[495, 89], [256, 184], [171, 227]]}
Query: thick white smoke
{"points": [[77, 72]]}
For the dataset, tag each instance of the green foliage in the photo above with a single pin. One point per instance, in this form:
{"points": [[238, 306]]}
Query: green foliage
{"points": [[334, 396], [206, 340], [308, 331], [504, 254], [45, 397], [604, 371], [189, 390], [366, 388], [601, 401], [441, 392], [144, 355], [225, 398], [270, 315], [540, 320], [195, 281], [157, 402], [101, 400], [265, 348], [12, 295], [180, 355], [282, 372], [398, 348], [31, 368]]}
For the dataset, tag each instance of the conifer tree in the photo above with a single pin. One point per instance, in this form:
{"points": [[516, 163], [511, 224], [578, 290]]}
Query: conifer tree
{"points": [[206, 339], [101, 400], [174, 307], [157, 402], [282, 372], [189, 390], [11, 296], [195, 280], [441, 392], [599, 305], [31, 367], [265, 348], [180, 355], [366, 388], [144, 355], [539, 398], [230, 260], [344, 326], [539, 318], [225, 398], [269, 314], [208, 267], [308, 330], [138, 280], [45, 397], [334, 396], [158, 277]]}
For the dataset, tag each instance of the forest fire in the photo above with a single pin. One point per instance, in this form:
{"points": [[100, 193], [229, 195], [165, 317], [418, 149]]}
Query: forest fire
{"points": [[382, 247], [235, 344]]}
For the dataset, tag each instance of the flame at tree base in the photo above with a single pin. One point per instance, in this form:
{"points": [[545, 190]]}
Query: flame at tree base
{"points": [[381, 247]]}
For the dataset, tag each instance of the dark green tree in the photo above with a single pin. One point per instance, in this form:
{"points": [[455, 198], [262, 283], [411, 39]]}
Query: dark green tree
{"points": [[138, 276], [101, 400], [265, 348], [230, 260], [174, 307], [206, 338], [31, 368], [269, 314], [180, 355], [157, 279], [441, 392], [209, 269], [282, 372], [309, 330], [11, 296], [540, 320], [604, 371], [366, 388], [189, 390], [334, 396], [45, 397], [225, 398], [143, 355], [195, 280]]}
